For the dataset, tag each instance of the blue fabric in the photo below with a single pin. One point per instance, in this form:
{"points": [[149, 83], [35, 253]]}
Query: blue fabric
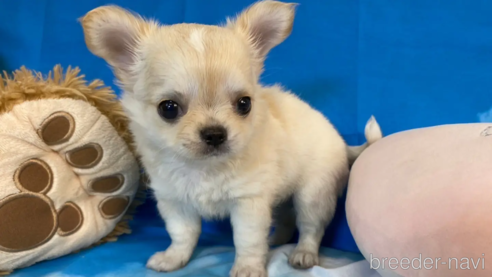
{"points": [[410, 63], [214, 257]]}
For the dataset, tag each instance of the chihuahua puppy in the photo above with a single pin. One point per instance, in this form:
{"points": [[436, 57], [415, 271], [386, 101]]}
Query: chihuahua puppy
{"points": [[217, 143]]}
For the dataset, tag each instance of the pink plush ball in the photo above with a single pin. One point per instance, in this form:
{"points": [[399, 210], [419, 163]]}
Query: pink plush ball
{"points": [[420, 202]]}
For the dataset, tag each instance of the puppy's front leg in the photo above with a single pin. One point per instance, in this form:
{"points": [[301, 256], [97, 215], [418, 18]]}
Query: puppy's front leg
{"points": [[251, 220], [184, 226]]}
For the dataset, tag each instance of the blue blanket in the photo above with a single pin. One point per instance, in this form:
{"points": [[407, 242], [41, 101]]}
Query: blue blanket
{"points": [[214, 257]]}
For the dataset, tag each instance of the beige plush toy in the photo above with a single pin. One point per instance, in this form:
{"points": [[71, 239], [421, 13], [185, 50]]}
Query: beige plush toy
{"points": [[68, 172], [418, 202]]}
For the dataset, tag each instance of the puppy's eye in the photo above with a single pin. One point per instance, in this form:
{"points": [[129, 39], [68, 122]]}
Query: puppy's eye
{"points": [[168, 109], [243, 105]]}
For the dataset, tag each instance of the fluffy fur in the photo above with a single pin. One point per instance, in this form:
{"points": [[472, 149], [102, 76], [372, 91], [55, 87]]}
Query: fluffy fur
{"points": [[26, 85], [283, 152]]}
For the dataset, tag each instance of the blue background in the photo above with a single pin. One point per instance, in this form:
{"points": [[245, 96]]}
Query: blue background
{"points": [[411, 63]]}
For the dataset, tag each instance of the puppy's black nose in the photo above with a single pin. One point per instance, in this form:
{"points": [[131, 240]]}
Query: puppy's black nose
{"points": [[214, 135]]}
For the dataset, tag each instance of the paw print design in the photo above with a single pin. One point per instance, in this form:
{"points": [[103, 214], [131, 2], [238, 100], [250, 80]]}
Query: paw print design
{"points": [[65, 180]]}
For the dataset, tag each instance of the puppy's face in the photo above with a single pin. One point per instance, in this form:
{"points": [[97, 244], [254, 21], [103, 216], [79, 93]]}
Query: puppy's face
{"points": [[192, 89]]}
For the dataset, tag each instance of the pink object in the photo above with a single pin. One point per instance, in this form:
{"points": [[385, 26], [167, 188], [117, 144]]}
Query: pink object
{"points": [[425, 196]]}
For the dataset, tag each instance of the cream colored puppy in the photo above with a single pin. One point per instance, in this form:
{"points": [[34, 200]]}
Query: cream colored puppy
{"points": [[214, 141]]}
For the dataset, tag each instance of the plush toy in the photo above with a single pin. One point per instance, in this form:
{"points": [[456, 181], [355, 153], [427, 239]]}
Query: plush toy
{"points": [[68, 172], [419, 202]]}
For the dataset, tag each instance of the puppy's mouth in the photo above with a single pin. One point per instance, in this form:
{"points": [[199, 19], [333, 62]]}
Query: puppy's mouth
{"points": [[203, 151], [215, 151]]}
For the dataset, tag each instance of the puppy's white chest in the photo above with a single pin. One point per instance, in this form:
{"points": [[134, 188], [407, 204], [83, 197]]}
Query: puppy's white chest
{"points": [[210, 194]]}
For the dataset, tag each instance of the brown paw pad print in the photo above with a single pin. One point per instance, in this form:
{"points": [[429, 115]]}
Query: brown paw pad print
{"points": [[29, 218]]}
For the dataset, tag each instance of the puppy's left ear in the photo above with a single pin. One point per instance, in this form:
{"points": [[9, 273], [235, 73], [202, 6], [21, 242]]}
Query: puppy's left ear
{"points": [[115, 35], [265, 24]]}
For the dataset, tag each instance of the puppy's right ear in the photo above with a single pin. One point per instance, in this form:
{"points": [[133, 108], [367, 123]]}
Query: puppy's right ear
{"points": [[265, 24], [114, 34]]}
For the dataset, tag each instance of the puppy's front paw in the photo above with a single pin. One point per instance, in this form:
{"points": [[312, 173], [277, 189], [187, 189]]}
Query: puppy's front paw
{"points": [[167, 261], [248, 271], [302, 259]]}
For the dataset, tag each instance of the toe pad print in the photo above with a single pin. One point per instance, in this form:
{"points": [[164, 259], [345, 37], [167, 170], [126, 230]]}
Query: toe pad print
{"points": [[112, 207], [107, 184], [34, 176], [70, 217], [57, 128], [86, 156]]}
